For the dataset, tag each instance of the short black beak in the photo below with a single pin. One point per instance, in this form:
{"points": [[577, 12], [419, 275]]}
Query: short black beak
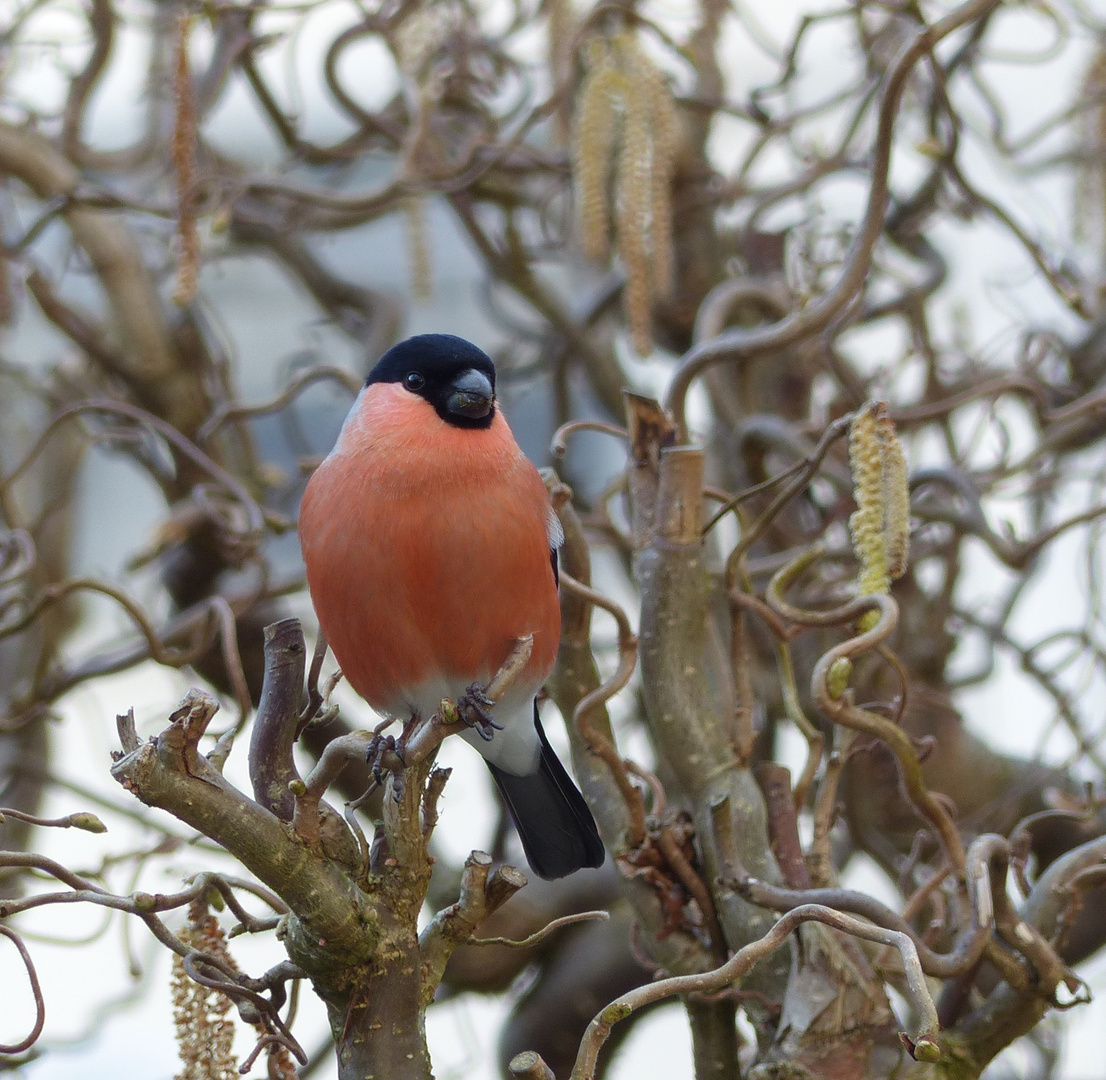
{"points": [[472, 395]]}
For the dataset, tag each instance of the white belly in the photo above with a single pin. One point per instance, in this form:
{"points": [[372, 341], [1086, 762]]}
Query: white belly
{"points": [[515, 749]]}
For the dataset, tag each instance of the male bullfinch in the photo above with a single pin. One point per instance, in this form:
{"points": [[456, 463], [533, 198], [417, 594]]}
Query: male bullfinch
{"points": [[431, 547]]}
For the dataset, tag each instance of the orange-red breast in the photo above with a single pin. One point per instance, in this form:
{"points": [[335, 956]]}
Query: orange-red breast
{"points": [[430, 544]]}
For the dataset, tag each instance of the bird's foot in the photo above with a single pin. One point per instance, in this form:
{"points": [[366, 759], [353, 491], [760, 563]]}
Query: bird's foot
{"points": [[472, 708], [409, 729], [379, 749]]}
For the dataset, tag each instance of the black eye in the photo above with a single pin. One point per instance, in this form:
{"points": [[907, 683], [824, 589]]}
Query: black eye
{"points": [[413, 381]]}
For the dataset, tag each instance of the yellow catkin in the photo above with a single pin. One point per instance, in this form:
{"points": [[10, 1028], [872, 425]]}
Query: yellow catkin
{"points": [[1090, 195], [184, 165], [205, 1032], [418, 247], [560, 27], [593, 137], [880, 526], [896, 500], [418, 42], [866, 522], [662, 112], [632, 223], [661, 226], [626, 112]]}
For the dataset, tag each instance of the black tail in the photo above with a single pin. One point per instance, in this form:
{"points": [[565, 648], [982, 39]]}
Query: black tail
{"points": [[556, 827]]}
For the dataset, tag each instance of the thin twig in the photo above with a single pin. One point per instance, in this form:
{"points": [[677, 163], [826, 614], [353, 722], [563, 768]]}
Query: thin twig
{"points": [[540, 935]]}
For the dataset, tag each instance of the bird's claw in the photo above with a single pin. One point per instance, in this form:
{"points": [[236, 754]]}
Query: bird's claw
{"points": [[478, 693], [379, 746], [472, 708]]}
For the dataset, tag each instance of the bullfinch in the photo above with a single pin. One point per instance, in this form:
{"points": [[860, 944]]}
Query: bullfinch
{"points": [[431, 547]]}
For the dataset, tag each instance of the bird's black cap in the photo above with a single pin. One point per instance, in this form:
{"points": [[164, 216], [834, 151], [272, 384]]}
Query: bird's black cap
{"points": [[455, 376]]}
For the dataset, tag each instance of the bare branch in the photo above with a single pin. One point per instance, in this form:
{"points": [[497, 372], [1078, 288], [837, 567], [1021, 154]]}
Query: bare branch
{"points": [[742, 345], [36, 991], [924, 1032]]}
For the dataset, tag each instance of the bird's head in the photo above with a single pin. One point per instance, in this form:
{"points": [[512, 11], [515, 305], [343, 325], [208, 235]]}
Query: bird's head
{"points": [[452, 374]]}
